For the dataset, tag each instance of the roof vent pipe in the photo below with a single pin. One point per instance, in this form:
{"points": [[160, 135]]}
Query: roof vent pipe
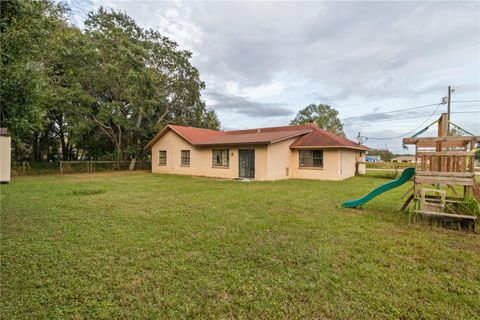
{"points": [[258, 130]]}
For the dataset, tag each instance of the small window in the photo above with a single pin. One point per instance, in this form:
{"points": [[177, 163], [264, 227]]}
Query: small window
{"points": [[220, 158], [185, 158], [311, 158], [162, 158]]}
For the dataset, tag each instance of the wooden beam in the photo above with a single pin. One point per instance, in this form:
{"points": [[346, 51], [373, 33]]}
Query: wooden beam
{"points": [[445, 174], [435, 139], [447, 215], [444, 180], [446, 153]]}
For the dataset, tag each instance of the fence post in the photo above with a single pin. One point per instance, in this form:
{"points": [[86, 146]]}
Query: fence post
{"points": [[23, 168], [61, 167]]}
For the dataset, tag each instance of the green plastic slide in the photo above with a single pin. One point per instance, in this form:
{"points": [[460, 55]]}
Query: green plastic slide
{"points": [[407, 174]]}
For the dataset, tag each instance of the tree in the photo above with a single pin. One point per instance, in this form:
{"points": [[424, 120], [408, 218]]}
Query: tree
{"points": [[138, 81], [323, 115], [25, 30], [101, 92], [385, 154]]}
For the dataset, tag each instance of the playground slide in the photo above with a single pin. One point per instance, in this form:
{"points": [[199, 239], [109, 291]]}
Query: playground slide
{"points": [[407, 174]]}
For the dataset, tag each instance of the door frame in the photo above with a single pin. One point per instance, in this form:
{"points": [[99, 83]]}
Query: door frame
{"points": [[252, 150]]}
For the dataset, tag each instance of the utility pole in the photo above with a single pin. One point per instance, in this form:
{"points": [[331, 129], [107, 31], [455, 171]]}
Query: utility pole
{"points": [[449, 99]]}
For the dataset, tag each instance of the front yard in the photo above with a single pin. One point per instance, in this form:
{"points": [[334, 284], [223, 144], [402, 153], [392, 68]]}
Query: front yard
{"points": [[139, 245]]}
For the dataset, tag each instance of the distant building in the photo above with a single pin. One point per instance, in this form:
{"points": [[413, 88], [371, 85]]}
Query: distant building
{"points": [[369, 158], [407, 159]]}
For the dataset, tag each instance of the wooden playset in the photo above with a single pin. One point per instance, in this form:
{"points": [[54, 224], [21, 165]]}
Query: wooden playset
{"points": [[447, 163]]}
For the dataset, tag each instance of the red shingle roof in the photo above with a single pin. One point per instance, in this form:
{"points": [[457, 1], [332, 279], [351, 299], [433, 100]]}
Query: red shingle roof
{"points": [[309, 136], [231, 138], [322, 138]]}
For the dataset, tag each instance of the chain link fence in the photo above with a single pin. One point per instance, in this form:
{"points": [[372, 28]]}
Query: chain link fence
{"points": [[64, 167]]}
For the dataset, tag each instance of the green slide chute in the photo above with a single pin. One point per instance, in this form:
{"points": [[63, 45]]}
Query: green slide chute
{"points": [[407, 174]]}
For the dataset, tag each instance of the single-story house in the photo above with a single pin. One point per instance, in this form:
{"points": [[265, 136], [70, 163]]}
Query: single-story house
{"points": [[408, 159], [302, 151]]}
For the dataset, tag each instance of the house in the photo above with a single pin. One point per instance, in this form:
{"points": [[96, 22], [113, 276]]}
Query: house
{"points": [[302, 151], [408, 159], [369, 158]]}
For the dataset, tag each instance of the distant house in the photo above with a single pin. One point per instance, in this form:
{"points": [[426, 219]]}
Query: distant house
{"points": [[407, 159], [302, 151], [369, 158]]}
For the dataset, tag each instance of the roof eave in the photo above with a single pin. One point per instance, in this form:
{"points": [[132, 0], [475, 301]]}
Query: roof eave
{"points": [[156, 138], [361, 148]]}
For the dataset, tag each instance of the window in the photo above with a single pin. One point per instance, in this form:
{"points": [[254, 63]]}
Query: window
{"points": [[311, 158], [162, 157], [185, 158], [220, 158]]}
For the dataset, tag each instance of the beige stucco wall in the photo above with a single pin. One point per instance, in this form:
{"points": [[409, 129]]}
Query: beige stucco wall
{"points": [[280, 159], [330, 170], [271, 162], [201, 159], [348, 160]]}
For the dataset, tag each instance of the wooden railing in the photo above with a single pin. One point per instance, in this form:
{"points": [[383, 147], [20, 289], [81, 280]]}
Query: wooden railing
{"points": [[446, 161]]}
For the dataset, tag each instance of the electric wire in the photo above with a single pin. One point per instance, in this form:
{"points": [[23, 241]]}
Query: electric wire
{"points": [[409, 132]]}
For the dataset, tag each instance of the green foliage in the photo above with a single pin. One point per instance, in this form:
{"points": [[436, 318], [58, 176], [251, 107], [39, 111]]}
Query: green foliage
{"points": [[177, 247], [105, 89], [26, 28], [323, 115], [470, 206]]}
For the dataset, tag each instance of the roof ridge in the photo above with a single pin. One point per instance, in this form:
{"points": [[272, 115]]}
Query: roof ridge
{"points": [[335, 136]]}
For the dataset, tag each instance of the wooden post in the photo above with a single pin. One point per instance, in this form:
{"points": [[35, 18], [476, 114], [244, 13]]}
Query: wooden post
{"points": [[442, 132], [23, 168], [61, 167]]}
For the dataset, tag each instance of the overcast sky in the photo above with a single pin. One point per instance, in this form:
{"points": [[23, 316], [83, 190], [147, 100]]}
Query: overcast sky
{"points": [[264, 61]]}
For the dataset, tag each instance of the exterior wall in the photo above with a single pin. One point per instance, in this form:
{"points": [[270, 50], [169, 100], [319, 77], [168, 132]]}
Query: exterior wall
{"points": [[280, 160], [348, 162], [201, 159], [330, 170], [5, 158], [271, 162]]}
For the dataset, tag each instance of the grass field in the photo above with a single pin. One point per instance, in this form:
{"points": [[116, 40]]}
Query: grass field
{"points": [[138, 245]]}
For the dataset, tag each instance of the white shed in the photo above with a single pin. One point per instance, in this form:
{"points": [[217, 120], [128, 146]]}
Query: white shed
{"points": [[5, 155]]}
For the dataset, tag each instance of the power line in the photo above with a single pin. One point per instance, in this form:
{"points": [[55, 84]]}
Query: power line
{"points": [[404, 109], [407, 133], [466, 101], [392, 111], [405, 118]]}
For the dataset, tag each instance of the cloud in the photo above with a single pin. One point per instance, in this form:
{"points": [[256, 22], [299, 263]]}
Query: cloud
{"points": [[231, 103], [370, 57]]}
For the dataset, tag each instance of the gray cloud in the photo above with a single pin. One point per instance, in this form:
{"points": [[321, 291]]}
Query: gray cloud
{"points": [[368, 49], [237, 104], [387, 55]]}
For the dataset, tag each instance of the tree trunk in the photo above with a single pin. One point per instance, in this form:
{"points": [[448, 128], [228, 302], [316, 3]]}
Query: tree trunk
{"points": [[35, 147], [131, 167]]}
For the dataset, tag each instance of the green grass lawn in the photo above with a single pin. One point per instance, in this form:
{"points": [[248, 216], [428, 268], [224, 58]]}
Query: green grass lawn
{"points": [[140, 245]]}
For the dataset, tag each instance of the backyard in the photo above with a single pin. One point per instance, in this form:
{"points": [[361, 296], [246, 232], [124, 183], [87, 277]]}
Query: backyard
{"points": [[139, 245]]}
